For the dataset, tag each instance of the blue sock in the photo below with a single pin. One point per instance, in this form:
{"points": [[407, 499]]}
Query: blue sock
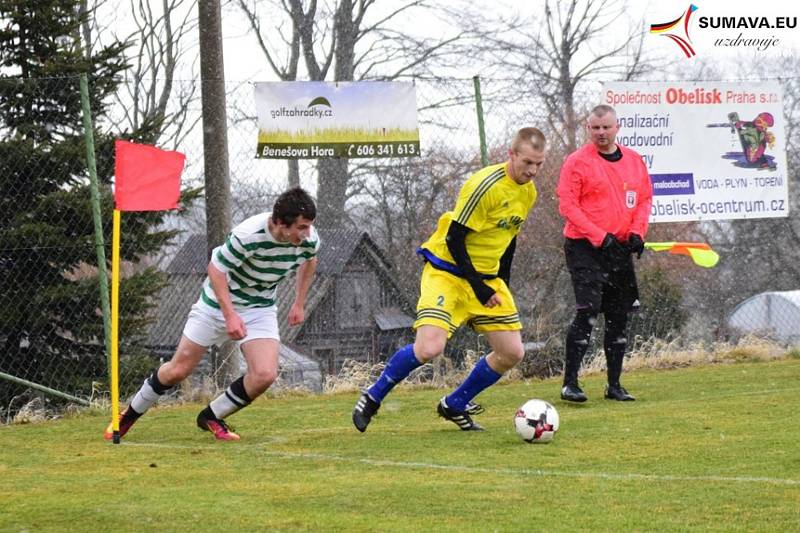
{"points": [[397, 369], [481, 377]]}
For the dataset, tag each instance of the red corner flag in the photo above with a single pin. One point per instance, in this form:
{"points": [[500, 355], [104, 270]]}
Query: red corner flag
{"points": [[147, 178]]}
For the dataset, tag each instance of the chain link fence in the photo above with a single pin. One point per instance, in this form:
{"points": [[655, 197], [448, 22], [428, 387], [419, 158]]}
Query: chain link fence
{"points": [[362, 302]]}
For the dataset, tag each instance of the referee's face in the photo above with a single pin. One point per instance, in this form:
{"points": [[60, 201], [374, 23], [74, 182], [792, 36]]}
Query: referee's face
{"points": [[603, 132], [524, 163]]}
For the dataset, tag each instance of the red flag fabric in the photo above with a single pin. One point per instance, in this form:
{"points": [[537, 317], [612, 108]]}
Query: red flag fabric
{"points": [[146, 178]]}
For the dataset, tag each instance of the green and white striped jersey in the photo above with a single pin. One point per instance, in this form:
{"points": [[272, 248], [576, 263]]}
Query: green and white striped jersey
{"points": [[255, 262]]}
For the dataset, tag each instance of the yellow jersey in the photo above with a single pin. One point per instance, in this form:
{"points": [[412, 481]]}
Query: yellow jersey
{"points": [[493, 206]]}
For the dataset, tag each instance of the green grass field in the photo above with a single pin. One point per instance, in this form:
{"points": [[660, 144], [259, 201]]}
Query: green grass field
{"points": [[712, 447]]}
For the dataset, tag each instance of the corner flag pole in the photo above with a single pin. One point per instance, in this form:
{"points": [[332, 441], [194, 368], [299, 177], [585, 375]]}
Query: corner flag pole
{"points": [[146, 179], [115, 327]]}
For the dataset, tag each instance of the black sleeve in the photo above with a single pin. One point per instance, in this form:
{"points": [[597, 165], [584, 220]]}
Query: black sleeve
{"points": [[505, 262], [456, 243]]}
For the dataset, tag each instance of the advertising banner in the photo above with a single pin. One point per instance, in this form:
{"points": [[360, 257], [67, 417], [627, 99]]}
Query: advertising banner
{"points": [[714, 150], [315, 119]]}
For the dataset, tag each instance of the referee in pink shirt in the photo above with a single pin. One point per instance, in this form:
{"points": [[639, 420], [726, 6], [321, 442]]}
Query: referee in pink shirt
{"points": [[604, 195]]}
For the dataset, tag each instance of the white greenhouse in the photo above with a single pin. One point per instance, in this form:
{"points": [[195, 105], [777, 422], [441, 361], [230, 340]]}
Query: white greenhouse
{"points": [[772, 314]]}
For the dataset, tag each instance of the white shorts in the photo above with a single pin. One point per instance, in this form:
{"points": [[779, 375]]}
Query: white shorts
{"points": [[206, 325]]}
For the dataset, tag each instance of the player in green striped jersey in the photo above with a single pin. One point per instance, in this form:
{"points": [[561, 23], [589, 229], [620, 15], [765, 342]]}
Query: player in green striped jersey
{"points": [[237, 302]]}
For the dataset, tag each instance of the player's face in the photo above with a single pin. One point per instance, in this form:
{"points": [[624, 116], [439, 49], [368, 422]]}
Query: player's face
{"points": [[295, 233], [525, 163], [603, 132]]}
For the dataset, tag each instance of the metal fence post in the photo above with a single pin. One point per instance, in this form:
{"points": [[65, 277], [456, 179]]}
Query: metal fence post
{"points": [[48, 390], [476, 80], [96, 216]]}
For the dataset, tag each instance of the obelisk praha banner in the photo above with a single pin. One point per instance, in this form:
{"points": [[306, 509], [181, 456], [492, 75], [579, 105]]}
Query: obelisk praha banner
{"points": [[314, 119], [714, 150]]}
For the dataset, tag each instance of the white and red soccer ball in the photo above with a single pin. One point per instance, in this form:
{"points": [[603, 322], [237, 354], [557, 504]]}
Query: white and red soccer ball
{"points": [[536, 421]]}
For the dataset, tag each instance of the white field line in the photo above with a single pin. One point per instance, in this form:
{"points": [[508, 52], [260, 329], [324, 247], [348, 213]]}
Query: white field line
{"points": [[477, 470]]}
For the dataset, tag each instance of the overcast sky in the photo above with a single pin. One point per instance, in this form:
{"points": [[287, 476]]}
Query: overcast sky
{"points": [[245, 61]]}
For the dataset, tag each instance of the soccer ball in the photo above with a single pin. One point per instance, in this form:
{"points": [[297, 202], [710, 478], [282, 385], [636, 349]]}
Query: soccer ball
{"points": [[536, 421]]}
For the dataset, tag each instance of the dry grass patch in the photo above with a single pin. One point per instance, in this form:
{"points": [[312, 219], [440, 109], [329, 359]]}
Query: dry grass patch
{"points": [[440, 373], [659, 354], [652, 353]]}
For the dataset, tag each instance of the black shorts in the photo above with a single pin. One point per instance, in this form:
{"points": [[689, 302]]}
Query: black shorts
{"points": [[603, 281]]}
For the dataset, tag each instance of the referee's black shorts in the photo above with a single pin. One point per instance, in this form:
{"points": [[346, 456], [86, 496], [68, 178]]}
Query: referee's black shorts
{"points": [[603, 281]]}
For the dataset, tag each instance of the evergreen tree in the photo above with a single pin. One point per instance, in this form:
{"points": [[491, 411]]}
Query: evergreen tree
{"points": [[51, 327]]}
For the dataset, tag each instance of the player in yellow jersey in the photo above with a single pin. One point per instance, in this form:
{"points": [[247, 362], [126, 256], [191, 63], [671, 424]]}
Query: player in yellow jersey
{"points": [[465, 279]]}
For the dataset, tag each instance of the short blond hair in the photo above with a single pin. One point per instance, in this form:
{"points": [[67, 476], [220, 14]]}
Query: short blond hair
{"points": [[532, 136]]}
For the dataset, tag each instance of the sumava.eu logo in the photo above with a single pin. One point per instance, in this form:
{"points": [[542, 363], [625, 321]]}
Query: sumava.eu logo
{"points": [[677, 31]]}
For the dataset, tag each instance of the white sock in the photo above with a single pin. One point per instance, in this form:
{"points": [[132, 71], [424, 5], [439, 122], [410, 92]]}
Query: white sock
{"points": [[145, 398], [230, 401]]}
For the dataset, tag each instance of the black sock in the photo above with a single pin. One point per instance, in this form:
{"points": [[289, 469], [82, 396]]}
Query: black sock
{"points": [[614, 344], [158, 387], [577, 343], [207, 413], [130, 414], [237, 388]]}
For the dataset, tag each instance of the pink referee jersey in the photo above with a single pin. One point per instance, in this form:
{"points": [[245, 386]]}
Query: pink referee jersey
{"points": [[596, 196]]}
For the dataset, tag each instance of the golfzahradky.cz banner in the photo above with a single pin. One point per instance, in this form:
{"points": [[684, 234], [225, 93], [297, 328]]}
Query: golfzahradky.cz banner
{"points": [[315, 119], [714, 150]]}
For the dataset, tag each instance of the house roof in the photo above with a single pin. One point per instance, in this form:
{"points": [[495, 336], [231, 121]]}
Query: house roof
{"points": [[338, 246], [191, 257], [390, 318]]}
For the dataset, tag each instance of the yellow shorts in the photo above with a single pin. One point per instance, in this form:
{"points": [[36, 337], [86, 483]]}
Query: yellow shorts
{"points": [[447, 301]]}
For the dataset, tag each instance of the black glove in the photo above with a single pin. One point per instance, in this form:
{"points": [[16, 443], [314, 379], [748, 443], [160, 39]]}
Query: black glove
{"points": [[611, 244], [636, 245]]}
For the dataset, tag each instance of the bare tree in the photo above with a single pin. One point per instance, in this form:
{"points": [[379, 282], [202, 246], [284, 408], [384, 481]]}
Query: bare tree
{"points": [[283, 57], [151, 100], [345, 40], [405, 203], [570, 46]]}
